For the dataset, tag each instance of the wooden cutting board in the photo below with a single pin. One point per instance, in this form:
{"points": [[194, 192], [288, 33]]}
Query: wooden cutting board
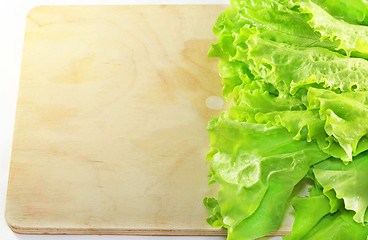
{"points": [[110, 132]]}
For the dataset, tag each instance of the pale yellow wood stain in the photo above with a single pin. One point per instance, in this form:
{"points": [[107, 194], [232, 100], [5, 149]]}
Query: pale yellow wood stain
{"points": [[110, 132]]}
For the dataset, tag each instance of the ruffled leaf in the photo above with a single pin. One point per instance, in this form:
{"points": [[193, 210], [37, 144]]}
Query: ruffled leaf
{"points": [[348, 181], [353, 39], [257, 167]]}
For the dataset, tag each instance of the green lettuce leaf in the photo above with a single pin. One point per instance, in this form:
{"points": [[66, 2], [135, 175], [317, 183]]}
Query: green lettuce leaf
{"points": [[289, 68], [316, 218], [296, 71], [352, 11], [312, 221], [276, 22], [215, 218], [256, 165], [348, 181], [338, 226], [308, 212], [338, 122], [335, 203], [345, 115], [250, 104], [353, 39]]}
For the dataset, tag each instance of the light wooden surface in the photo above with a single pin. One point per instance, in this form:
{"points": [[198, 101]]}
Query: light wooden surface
{"points": [[110, 132]]}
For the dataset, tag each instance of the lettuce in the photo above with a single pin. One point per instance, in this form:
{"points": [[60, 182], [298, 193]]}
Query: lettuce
{"points": [[353, 39], [275, 21], [255, 170], [308, 212], [289, 68], [297, 75], [322, 215], [348, 181], [313, 221], [345, 116], [351, 11]]}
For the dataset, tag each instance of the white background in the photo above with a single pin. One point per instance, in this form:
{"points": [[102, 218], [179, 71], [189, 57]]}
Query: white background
{"points": [[12, 25]]}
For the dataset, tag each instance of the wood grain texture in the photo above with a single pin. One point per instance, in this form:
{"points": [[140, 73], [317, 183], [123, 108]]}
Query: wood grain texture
{"points": [[110, 132]]}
